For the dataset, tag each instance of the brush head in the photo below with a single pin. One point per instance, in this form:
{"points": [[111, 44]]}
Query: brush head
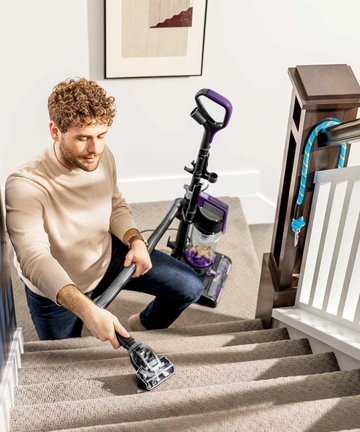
{"points": [[151, 370], [149, 379]]}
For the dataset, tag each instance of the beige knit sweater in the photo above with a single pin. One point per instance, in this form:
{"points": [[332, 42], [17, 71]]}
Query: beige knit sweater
{"points": [[59, 222]]}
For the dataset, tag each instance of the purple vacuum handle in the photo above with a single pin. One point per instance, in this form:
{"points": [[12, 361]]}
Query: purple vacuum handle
{"points": [[217, 98], [220, 100]]}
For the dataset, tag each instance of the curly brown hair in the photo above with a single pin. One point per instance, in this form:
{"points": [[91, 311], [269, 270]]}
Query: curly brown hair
{"points": [[78, 103]]}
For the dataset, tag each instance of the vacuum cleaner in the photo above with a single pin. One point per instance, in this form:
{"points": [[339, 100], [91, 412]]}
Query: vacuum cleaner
{"points": [[202, 221], [202, 216]]}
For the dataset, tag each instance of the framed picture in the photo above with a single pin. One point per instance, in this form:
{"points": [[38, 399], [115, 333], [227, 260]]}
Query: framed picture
{"points": [[154, 38]]}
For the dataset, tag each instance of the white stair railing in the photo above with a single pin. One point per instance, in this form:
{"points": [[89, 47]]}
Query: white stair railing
{"points": [[329, 284]]}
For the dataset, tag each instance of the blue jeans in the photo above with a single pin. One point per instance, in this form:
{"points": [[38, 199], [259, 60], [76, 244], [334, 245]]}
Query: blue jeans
{"points": [[174, 285]]}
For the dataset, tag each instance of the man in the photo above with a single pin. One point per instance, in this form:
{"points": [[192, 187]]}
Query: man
{"points": [[73, 232]]}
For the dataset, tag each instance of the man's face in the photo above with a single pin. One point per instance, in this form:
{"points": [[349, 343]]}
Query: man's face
{"points": [[81, 148]]}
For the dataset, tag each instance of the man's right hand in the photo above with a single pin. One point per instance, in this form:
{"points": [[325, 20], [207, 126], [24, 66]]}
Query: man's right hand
{"points": [[100, 322]]}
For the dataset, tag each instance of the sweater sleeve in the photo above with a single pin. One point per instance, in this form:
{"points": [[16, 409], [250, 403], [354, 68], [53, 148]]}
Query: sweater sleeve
{"points": [[122, 218], [25, 202]]}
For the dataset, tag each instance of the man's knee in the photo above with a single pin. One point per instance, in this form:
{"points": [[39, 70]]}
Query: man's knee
{"points": [[194, 286], [181, 280]]}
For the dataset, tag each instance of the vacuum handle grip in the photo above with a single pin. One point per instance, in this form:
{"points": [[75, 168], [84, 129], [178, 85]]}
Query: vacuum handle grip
{"points": [[217, 98], [125, 342]]}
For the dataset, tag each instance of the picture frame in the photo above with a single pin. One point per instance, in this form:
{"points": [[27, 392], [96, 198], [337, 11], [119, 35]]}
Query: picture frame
{"points": [[154, 38]]}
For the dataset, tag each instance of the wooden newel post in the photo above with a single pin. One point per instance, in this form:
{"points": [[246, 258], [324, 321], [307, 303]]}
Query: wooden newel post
{"points": [[319, 92]]}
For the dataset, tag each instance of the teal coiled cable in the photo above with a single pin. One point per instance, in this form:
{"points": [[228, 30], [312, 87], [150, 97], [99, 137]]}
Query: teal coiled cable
{"points": [[298, 221]]}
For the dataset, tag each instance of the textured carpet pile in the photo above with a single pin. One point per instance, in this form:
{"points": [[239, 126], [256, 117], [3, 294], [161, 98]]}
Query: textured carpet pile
{"points": [[231, 374]]}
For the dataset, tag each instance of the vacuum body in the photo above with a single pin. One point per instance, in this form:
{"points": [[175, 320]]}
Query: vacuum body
{"points": [[203, 217], [200, 252]]}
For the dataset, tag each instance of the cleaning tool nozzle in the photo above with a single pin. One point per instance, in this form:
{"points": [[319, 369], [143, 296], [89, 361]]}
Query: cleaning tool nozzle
{"points": [[151, 369]]}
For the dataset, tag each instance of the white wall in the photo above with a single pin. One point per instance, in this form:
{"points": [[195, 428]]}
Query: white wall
{"points": [[249, 47]]}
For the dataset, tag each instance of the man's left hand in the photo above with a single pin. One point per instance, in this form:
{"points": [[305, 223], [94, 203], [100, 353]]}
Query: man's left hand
{"points": [[139, 255]]}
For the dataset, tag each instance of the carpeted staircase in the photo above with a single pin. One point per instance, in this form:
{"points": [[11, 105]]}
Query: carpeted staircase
{"points": [[232, 376], [230, 373]]}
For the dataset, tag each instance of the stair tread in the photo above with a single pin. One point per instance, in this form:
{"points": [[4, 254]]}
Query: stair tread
{"points": [[183, 344], [191, 370], [326, 415], [323, 415], [115, 427], [169, 333], [94, 388], [243, 402]]}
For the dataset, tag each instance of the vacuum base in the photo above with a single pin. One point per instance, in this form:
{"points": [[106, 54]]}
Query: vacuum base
{"points": [[214, 278]]}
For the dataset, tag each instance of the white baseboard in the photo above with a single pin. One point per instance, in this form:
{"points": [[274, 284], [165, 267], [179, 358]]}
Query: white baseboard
{"points": [[257, 209], [167, 188], [241, 184], [10, 379]]}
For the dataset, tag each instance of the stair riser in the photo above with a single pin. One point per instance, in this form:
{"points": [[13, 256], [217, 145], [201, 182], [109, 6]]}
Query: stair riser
{"points": [[164, 334], [184, 344]]}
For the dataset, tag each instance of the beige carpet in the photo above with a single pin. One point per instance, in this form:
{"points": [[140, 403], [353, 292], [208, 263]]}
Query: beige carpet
{"points": [[231, 374], [261, 236], [239, 296]]}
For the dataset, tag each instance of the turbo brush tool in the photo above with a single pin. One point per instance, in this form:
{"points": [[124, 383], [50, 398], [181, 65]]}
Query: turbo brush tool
{"points": [[151, 370]]}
